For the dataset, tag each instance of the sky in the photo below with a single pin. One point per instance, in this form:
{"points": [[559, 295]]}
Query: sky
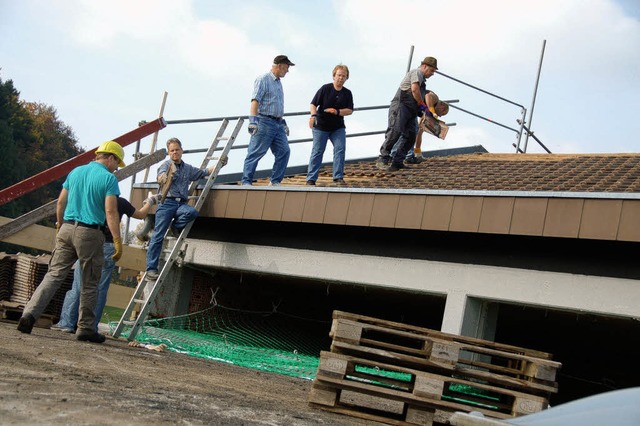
{"points": [[105, 66]]}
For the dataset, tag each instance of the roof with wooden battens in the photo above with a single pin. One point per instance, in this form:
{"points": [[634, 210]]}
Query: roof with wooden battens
{"points": [[498, 172], [588, 196]]}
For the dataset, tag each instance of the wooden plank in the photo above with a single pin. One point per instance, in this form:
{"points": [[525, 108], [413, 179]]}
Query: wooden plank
{"points": [[441, 335], [49, 209], [62, 169], [425, 389], [434, 365], [364, 406], [422, 347]]}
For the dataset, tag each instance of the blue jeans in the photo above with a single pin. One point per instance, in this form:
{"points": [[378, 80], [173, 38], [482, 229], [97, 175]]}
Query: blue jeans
{"points": [[338, 138], [169, 210], [69, 314], [270, 135]]}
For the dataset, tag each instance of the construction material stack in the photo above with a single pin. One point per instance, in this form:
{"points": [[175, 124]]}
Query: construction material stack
{"points": [[400, 374], [27, 272]]}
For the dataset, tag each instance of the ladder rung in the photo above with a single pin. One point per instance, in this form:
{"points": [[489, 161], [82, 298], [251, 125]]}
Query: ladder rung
{"points": [[139, 300]]}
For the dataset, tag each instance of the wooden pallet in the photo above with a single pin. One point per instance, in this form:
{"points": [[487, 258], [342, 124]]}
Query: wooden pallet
{"points": [[12, 311], [370, 407], [422, 348], [422, 389], [439, 334]]}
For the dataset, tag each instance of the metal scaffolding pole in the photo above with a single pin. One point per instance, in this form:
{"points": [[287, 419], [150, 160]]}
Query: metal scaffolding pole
{"points": [[533, 102]]}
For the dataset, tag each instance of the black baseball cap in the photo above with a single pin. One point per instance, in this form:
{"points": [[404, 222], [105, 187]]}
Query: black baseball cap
{"points": [[282, 59]]}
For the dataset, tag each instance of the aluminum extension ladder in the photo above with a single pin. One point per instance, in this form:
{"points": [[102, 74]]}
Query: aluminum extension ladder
{"points": [[176, 251]]}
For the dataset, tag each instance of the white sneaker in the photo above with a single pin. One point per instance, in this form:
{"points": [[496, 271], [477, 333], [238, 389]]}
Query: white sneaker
{"points": [[274, 183], [58, 327], [152, 275]]}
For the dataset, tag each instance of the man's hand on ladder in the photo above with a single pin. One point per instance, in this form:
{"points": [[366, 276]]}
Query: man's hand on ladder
{"points": [[223, 160]]}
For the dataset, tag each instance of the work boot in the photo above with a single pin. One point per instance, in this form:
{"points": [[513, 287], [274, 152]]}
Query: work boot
{"points": [[339, 181], [414, 160], [25, 325], [311, 182], [92, 337], [395, 167], [382, 164]]}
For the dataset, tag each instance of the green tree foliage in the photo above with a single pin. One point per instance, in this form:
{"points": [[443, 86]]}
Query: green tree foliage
{"points": [[32, 139], [14, 122]]}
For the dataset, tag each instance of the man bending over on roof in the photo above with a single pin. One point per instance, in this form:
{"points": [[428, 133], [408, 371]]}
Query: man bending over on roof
{"points": [[429, 120]]}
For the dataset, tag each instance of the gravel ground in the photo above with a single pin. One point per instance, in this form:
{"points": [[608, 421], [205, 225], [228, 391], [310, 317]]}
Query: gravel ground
{"points": [[48, 377]]}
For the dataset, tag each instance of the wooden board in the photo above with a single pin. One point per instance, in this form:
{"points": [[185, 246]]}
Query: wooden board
{"points": [[441, 335], [11, 312], [434, 127], [424, 352], [424, 389]]}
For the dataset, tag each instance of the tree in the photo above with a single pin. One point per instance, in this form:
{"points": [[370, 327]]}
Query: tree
{"points": [[14, 125], [32, 139]]}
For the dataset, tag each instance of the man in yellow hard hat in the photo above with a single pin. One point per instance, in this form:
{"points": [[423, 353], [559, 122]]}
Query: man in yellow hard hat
{"points": [[88, 199]]}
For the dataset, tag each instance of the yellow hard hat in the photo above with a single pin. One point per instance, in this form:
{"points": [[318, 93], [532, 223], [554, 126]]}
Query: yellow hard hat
{"points": [[112, 147]]}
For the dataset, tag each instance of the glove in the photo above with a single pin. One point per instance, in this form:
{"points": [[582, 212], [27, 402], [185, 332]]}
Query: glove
{"points": [[117, 244], [153, 200], [417, 152], [57, 227], [286, 128], [432, 110], [253, 125], [423, 107], [312, 121]]}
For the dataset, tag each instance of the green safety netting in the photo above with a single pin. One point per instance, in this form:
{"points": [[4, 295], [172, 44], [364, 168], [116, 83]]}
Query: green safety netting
{"points": [[268, 341]]}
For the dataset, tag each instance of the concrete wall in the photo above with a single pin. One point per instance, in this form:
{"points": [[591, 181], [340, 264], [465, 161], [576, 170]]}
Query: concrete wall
{"points": [[466, 286]]}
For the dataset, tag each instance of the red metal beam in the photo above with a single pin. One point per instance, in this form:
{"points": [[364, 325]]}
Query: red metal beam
{"points": [[37, 181]]}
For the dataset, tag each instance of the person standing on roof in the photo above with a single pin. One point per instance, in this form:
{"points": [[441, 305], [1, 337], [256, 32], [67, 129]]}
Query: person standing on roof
{"points": [[267, 127], [329, 106], [174, 176], [407, 104], [87, 200], [69, 315]]}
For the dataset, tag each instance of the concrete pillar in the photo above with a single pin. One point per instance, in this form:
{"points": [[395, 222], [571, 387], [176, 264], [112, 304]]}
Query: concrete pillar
{"points": [[469, 316]]}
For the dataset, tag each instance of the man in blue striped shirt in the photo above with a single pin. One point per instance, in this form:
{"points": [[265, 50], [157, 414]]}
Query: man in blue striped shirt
{"points": [[267, 127]]}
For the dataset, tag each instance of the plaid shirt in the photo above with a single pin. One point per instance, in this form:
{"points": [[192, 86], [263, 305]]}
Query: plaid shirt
{"points": [[267, 90]]}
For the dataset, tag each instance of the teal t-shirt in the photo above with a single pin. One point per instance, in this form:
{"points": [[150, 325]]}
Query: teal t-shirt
{"points": [[88, 186]]}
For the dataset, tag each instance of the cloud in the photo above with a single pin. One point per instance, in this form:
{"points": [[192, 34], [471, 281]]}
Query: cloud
{"points": [[101, 24]]}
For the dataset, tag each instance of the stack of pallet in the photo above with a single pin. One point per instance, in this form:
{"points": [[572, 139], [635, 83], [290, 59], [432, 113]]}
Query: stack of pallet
{"points": [[28, 272], [7, 271], [400, 374]]}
